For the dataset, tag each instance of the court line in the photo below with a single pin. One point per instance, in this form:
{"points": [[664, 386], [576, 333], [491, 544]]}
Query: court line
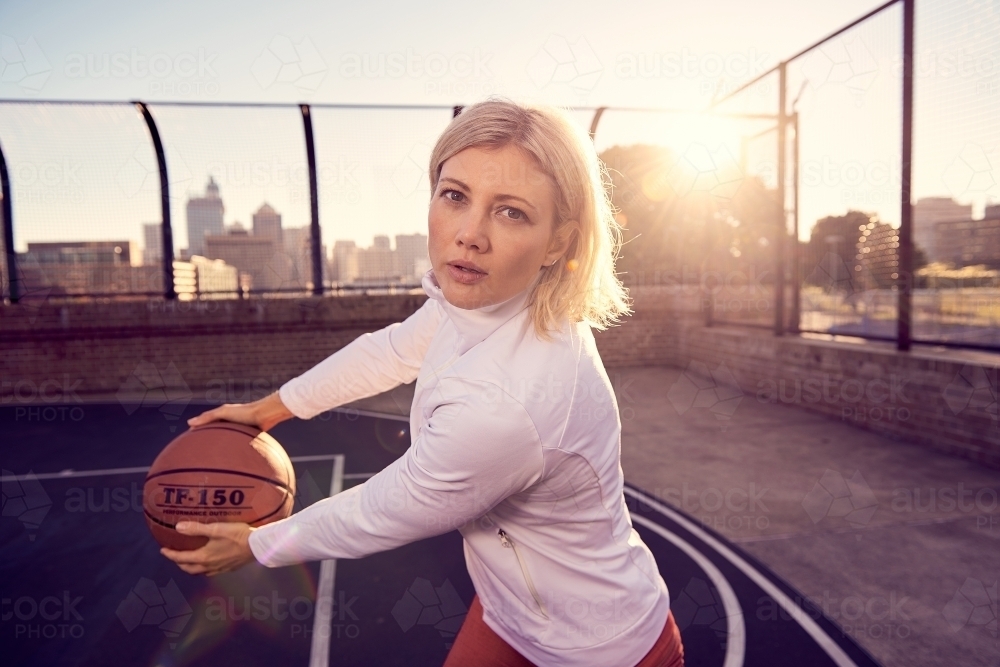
{"points": [[72, 474], [319, 653], [736, 642], [374, 413], [832, 648]]}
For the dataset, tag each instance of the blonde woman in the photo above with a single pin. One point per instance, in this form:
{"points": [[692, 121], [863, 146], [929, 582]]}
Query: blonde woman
{"points": [[515, 429]]}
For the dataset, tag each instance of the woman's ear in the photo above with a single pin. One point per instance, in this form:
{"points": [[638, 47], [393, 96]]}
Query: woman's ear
{"points": [[561, 241]]}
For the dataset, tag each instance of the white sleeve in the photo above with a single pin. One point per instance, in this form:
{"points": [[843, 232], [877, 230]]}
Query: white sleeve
{"points": [[370, 364], [474, 451]]}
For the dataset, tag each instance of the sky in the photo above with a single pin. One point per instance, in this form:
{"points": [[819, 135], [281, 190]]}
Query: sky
{"points": [[84, 172]]}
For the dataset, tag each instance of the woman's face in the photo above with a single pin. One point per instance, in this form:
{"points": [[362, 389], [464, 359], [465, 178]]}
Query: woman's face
{"points": [[490, 226]]}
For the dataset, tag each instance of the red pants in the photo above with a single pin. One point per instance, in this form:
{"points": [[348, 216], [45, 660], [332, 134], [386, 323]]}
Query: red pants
{"points": [[476, 645]]}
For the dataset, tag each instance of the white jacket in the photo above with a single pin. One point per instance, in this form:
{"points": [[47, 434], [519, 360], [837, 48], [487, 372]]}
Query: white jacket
{"points": [[516, 444]]}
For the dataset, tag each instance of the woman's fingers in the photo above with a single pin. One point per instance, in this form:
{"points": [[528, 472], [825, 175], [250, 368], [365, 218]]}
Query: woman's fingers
{"points": [[227, 547], [204, 417], [240, 413]]}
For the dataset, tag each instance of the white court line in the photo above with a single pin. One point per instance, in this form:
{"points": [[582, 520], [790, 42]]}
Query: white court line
{"points": [[72, 474], [831, 647], [736, 643], [319, 653], [371, 413]]}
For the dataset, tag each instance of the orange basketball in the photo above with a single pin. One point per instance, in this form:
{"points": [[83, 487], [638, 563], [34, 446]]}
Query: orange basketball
{"points": [[221, 471]]}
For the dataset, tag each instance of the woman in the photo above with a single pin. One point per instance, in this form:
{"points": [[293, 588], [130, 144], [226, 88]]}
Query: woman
{"points": [[515, 429]]}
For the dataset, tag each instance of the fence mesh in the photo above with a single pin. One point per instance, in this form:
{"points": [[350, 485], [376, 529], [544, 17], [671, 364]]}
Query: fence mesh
{"points": [[239, 195], [77, 178], [374, 191], [847, 97], [956, 172]]}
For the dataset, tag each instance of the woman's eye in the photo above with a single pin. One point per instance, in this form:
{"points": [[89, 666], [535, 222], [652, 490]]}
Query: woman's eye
{"points": [[513, 213], [452, 195]]}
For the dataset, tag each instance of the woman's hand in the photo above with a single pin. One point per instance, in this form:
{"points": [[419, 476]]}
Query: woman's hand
{"points": [[228, 548], [264, 413]]}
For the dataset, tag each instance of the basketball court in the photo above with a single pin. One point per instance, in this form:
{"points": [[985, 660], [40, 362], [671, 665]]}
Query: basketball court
{"points": [[86, 585]]}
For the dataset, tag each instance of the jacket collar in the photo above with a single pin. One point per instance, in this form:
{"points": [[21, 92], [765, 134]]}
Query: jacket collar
{"points": [[475, 325]]}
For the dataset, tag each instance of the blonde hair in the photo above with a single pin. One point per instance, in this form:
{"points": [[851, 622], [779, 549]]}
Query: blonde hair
{"points": [[582, 285]]}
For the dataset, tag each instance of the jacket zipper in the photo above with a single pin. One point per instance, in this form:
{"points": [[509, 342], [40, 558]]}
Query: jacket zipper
{"points": [[509, 544]]}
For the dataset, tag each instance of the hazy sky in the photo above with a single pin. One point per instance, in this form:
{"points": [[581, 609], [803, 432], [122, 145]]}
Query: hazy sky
{"points": [[86, 173]]}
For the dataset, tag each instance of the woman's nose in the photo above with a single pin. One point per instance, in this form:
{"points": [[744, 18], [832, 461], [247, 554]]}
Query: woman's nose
{"points": [[472, 231]]}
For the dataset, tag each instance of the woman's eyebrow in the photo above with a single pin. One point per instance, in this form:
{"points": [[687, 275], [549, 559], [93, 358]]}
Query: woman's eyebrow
{"points": [[521, 199], [457, 182]]}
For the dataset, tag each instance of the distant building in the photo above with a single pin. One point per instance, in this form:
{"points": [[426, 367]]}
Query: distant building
{"points": [[927, 213], [411, 250], [267, 224], [298, 247], [112, 253], [344, 267], [203, 277], [204, 217], [379, 263], [152, 237], [88, 267], [252, 256], [970, 242]]}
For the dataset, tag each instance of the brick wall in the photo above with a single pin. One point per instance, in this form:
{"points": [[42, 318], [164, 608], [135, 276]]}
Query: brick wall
{"points": [[241, 350]]}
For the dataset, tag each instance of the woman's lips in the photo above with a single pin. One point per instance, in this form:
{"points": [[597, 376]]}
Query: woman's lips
{"points": [[465, 276]]}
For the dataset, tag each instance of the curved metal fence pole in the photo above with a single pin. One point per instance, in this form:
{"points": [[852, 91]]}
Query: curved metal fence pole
{"points": [[904, 270], [795, 318], [315, 235], [597, 119], [167, 234], [8, 231], [781, 237]]}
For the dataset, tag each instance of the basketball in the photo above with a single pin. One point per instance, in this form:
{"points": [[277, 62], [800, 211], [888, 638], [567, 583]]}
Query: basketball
{"points": [[221, 471]]}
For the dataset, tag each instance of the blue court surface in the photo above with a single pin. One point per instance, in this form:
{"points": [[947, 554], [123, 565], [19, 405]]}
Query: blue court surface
{"points": [[83, 582]]}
